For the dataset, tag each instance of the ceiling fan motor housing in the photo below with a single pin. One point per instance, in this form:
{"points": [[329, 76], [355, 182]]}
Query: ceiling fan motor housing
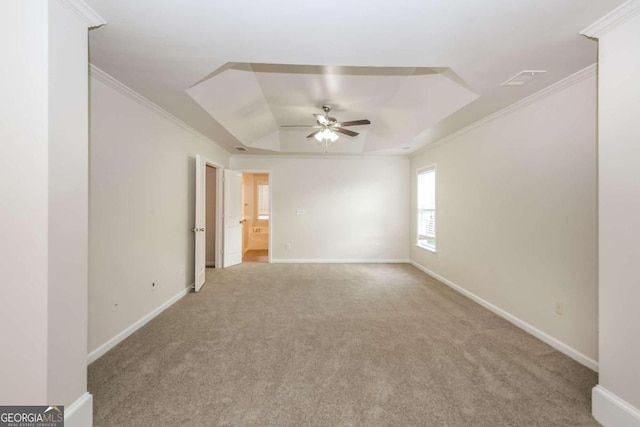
{"points": [[330, 120]]}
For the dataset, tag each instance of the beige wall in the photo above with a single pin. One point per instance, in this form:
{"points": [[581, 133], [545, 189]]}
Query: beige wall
{"points": [[516, 214], [211, 216], [250, 208], [250, 198], [247, 208], [356, 208], [142, 196], [619, 200]]}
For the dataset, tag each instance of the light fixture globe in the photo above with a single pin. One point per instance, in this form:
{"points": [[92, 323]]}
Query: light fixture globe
{"points": [[326, 135]]}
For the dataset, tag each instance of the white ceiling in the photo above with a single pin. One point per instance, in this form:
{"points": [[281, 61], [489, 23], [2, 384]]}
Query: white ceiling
{"points": [[203, 61]]}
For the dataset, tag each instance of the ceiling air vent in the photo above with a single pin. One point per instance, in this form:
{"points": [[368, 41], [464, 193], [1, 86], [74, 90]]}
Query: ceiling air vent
{"points": [[524, 76], [239, 148]]}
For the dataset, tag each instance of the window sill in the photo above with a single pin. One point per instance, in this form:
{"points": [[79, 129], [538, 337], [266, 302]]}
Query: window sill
{"points": [[425, 248]]}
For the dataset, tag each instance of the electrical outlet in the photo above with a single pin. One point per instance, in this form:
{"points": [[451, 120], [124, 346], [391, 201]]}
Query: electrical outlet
{"points": [[153, 286], [559, 308], [115, 307], [287, 246]]}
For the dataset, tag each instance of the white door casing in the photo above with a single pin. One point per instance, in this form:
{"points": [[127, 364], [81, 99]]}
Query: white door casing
{"points": [[199, 224], [233, 220]]}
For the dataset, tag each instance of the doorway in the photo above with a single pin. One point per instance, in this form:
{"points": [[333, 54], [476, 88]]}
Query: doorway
{"points": [[256, 213], [207, 172], [211, 198]]}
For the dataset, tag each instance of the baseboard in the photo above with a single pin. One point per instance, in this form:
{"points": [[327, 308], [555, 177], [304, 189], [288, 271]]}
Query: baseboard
{"points": [[611, 411], [210, 264], [340, 261], [80, 412], [542, 336], [98, 352]]}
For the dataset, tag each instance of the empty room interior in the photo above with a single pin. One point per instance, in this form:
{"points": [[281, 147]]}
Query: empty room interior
{"points": [[339, 213]]}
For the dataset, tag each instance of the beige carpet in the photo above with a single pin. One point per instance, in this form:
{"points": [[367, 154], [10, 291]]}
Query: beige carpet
{"points": [[335, 345]]}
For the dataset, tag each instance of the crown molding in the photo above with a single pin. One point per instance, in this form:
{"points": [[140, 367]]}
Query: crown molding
{"points": [[135, 96], [85, 12], [571, 80], [612, 19]]}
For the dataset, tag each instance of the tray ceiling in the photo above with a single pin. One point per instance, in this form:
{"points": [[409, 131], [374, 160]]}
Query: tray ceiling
{"points": [[253, 101]]}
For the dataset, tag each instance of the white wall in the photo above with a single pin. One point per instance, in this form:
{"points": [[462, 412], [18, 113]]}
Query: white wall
{"points": [[44, 198], [355, 208], [68, 204], [23, 202], [619, 201], [142, 169], [516, 214]]}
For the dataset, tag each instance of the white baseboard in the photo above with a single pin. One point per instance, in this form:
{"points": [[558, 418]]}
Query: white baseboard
{"points": [[611, 411], [98, 352], [542, 336], [340, 261], [80, 413]]}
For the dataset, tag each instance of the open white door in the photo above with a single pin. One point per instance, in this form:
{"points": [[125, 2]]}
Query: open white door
{"points": [[233, 220], [200, 221]]}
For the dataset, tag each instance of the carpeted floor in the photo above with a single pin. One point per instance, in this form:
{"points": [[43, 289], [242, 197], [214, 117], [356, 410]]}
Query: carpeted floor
{"points": [[335, 345]]}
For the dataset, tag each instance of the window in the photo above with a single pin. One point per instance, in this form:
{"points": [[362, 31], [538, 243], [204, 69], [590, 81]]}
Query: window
{"points": [[263, 200], [427, 208]]}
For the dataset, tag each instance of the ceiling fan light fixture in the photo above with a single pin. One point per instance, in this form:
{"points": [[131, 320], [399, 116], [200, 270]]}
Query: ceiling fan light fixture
{"points": [[326, 135], [330, 127]]}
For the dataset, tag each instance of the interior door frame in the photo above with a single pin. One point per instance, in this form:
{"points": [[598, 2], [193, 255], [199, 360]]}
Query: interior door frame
{"points": [[269, 180], [219, 208]]}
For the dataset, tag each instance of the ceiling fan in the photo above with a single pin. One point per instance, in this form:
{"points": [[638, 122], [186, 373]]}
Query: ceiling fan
{"points": [[328, 126]]}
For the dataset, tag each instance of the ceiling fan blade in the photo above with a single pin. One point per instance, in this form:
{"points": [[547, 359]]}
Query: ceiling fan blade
{"points": [[321, 119], [313, 134], [355, 123], [345, 131], [302, 126]]}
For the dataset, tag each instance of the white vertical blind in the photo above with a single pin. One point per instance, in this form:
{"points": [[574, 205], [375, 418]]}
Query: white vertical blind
{"points": [[427, 208]]}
